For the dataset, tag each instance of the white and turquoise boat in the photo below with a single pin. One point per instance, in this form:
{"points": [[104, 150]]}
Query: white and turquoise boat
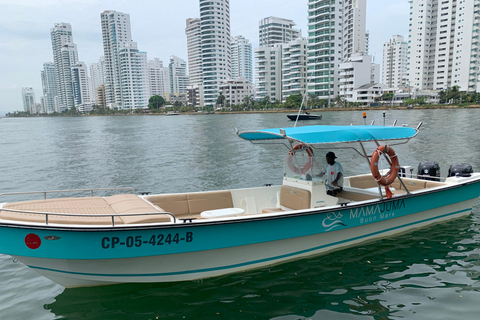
{"points": [[126, 238]]}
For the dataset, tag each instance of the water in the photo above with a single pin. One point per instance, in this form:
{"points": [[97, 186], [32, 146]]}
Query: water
{"points": [[430, 273]]}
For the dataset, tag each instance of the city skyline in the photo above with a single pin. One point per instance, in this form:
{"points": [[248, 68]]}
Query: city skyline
{"points": [[26, 43]]}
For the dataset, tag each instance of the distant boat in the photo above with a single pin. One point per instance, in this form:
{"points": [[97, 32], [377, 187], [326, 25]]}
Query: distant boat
{"points": [[304, 116], [172, 113]]}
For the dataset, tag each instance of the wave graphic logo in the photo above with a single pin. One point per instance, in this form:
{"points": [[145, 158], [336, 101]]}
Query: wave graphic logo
{"points": [[332, 221]]}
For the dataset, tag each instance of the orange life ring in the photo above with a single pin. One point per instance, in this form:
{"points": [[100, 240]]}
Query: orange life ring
{"points": [[392, 174], [307, 166]]}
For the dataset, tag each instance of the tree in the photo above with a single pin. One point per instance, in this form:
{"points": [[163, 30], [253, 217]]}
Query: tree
{"points": [[155, 102], [221, 100], [294, 101], [339, 101], [246, 101]]}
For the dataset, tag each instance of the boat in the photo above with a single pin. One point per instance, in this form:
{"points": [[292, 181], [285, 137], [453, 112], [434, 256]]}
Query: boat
{"points": [[130, 238], [304, 116]]}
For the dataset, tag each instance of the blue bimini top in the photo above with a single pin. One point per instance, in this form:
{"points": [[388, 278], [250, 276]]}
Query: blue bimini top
{"points": [[330, 134]]}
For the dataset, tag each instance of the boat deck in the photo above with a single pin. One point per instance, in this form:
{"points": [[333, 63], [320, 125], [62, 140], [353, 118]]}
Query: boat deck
{"points": [[125, 209], [87, 210]]}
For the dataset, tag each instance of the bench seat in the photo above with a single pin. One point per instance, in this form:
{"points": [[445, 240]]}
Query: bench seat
{"points": [[88, 210], [192, 204]]}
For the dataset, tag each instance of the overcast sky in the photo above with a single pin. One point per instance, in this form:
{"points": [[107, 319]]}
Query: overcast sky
{"points": [[158, 27]]}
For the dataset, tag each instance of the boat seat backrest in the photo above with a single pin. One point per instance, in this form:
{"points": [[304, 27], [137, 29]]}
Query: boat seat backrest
{"points": [[192, 203], [433, 184], [173, 203], [413, 185], [199, 202], [363, 182], [295, 198]]}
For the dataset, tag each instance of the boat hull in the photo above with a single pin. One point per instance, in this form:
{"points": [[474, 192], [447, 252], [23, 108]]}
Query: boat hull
{"points": [[107, 256], [293, 117]]}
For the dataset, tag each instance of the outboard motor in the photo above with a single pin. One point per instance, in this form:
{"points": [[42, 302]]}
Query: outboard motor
{"points": [[429, 170], [460, 169]]}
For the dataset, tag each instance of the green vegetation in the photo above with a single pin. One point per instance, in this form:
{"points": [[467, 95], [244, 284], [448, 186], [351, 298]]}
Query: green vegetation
{"points": [[158, 105]]}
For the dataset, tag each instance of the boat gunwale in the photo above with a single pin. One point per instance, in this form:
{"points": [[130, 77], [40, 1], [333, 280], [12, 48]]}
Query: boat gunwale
{"points": [[237, 219]]}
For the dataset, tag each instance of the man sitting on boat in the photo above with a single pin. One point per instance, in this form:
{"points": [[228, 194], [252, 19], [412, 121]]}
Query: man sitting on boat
{"points": [[334, 175]]}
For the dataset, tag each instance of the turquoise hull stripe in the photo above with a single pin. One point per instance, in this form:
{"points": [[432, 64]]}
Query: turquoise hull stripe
{"points": [[255, 261]]}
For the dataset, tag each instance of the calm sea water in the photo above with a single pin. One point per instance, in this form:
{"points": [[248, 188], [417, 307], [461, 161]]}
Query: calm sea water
{"points": [[431, 273]]}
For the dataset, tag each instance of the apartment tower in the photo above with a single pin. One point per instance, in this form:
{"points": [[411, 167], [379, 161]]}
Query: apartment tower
{"points": [[336, 31], [242, 58], [394, 69], [443, 44], [49, 86], [178, 75], [194, 48], [273, 30], [28, 98], [215, 46], [125, 66], [65, 55]]}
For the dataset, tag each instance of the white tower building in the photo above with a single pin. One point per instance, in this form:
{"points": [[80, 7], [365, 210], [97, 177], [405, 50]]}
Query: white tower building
{"points": [[242, 58], [333, 26], [125, 66], [156, 77], [268, 70], [97, 75], [194, 47], [354, 17], [81, 87], [216, 47], [274, 30], [65, 55], [178, 75], [444, 44], [28, 98], [49, 86], [294, 67], [394, 69]]}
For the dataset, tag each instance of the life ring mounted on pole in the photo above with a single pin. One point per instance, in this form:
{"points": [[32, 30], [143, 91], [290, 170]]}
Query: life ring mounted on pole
{"points": [[307, 165], [385, 180]]}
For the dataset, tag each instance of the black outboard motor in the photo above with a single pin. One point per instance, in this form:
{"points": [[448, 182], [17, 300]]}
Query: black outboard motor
{"points": [[460, 169], [429, 170]]}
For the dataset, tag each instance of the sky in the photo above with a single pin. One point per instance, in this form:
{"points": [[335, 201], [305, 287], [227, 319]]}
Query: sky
{"points": [[158, 27]]}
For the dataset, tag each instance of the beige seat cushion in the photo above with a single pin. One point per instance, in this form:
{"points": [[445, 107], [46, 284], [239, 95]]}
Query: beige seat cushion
{"points": [[89, 207], [295, 198], [199, 202]]}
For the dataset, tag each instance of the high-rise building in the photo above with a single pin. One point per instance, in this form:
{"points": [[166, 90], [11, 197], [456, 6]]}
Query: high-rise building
{"points": [[194, 47], [356, 72], [156, 77], [242, 58], [216, 47], [97, 75], [178, 75], [126, 81], [354, 17], [443, 44], [336, 31], [268, 70], [65, 55], [394, 69], [28, 98], [81, 87], [274, 30], [294, 67], [49, 86]]}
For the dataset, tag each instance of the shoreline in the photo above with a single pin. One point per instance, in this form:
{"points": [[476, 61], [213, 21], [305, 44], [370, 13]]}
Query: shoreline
{"points": [[333, 109]]}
